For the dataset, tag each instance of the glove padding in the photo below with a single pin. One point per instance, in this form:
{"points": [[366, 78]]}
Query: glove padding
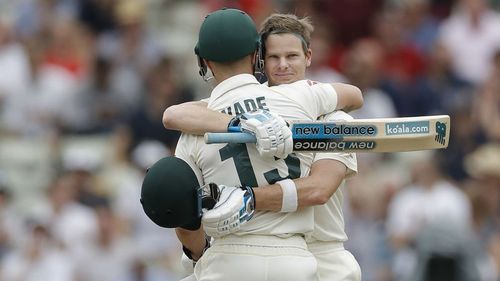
{"points": [[235, 207], [274, 138]]}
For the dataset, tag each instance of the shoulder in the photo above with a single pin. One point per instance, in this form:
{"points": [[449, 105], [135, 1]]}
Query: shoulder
{"points": [[305, 83], [308, 86]]}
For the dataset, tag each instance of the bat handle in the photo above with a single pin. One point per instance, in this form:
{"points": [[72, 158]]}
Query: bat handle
{"points": [[229, 138]]}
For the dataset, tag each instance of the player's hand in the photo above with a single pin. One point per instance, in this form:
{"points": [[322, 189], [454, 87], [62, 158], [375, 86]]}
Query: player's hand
{"points": [[274, 138], [235, 207]]}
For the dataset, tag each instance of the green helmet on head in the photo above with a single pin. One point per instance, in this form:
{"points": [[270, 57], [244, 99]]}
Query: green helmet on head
{"points": [[227, 35], [169, 194]]}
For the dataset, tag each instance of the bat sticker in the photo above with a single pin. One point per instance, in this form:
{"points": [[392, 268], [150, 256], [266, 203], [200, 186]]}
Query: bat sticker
{"points": [[440, 132]]}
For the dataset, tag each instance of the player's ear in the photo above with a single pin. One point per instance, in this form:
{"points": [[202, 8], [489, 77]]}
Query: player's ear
{"points": [[254, 58], [308, 57]]}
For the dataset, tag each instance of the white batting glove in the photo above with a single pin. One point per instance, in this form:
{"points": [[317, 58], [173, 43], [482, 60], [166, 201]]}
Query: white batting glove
{"points": [[235, 207], [274, 138]]}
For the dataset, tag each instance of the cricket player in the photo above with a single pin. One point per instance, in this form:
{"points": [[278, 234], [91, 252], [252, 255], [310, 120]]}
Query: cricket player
{"points": [[286, 40], [270, 246]]}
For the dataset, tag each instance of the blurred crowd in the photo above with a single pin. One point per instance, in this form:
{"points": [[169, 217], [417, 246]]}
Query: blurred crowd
{"points": [[83, 85]]}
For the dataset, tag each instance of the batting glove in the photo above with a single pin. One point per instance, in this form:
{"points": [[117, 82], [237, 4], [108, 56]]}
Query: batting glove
{"points": [[235, 207], [274, 138]]}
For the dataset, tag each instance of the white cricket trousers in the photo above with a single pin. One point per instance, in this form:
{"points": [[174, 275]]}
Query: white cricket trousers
{"points": [[335, 263], [257, 258]]}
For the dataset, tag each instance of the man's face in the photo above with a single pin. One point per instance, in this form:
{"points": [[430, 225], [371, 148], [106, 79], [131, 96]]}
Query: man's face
{"points": [[285, 60]]}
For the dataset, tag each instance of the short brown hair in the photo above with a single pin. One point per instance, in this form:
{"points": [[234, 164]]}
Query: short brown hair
{"points": [[287, 23]]}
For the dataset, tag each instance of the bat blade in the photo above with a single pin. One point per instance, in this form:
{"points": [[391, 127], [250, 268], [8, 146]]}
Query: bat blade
{"points": [[367, 135]]}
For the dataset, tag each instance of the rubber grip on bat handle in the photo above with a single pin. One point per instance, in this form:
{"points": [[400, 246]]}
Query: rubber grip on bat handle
{"points": [[229, 138]]}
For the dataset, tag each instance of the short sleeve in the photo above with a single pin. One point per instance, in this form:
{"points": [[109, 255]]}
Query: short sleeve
{"points": [[325, 95], [317, 98]]}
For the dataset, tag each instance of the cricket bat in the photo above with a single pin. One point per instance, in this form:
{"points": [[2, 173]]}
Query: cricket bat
{"points": [[359, 135]]}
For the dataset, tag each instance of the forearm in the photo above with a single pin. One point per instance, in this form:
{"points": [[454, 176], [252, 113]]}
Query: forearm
{"points": [[315, 189], [349, 97], [194, 118], [194, 241]]}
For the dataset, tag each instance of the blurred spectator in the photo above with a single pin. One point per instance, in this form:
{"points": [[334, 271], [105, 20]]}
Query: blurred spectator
{"points": [[11, 228], [102, 105], [127, 194], [72, 224], [257, 9], [152, 243], [132, 52], [483, 165], [420, 26], [440, 89], [442, 8], [321, 47], [446, 251], [79, 167], [163, 90], [34, 17], [39, 258], [467, 136], [110, 255], [487, 102], [348, 20], [15, 79], [68, 48], [97, 15], [402, 63], [430, 199], [4, 227], [472, 36], [62, 71], [150, 240], [368, 197], [362, 67]]}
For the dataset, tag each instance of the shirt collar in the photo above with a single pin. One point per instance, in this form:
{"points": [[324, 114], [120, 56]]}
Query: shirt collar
{"points": [[232, 83]]}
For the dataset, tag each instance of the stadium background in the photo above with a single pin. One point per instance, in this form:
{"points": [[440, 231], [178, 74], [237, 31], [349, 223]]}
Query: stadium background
{"points": [[83, 85]]}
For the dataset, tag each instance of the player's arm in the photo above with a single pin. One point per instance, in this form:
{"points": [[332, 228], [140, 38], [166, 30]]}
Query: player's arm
{"points": [[194, 242], [195, 118], [327, 173], [349, 97], [274, 138], [325, 98], [316, 189]]}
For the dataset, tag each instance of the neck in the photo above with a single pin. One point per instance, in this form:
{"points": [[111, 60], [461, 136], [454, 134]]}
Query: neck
{"points": [[223, 76], [223, 71]]}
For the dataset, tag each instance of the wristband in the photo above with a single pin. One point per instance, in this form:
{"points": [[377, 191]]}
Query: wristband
{"points": [[289, 202]]}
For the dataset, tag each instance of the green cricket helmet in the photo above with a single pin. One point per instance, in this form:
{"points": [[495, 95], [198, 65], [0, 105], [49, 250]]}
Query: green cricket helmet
{"points": [[169, 194], [227, 35]]}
